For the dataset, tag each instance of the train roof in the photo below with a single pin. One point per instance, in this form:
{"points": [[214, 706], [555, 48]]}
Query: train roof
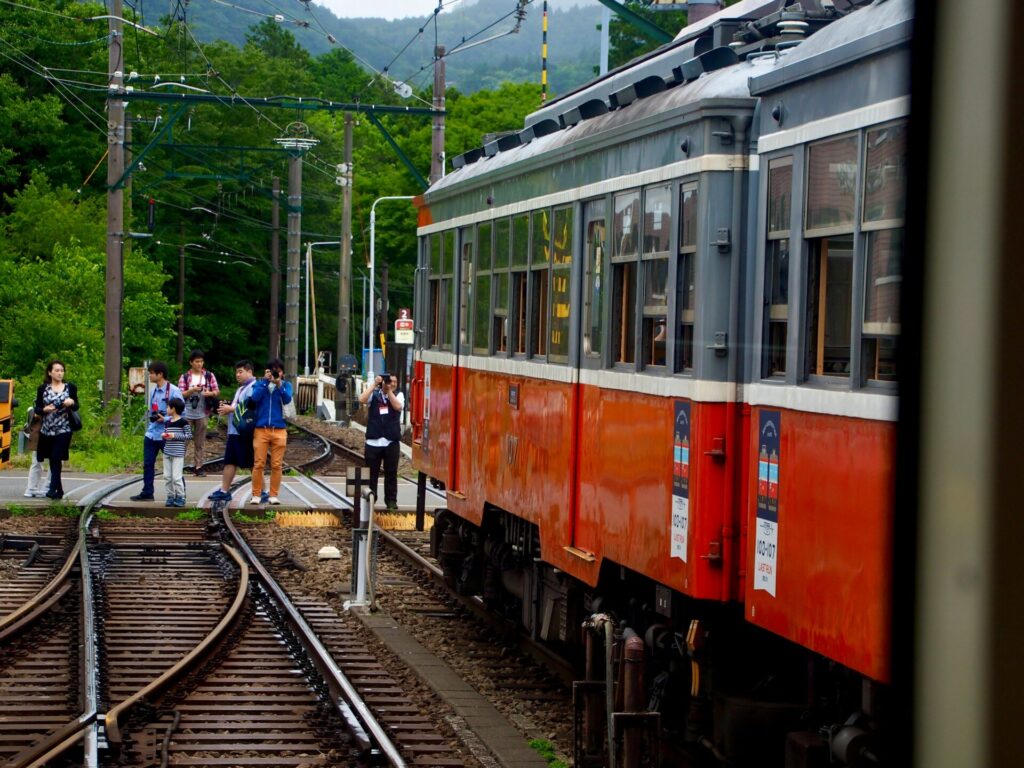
{"points": [[727, 86], [881, 25]]}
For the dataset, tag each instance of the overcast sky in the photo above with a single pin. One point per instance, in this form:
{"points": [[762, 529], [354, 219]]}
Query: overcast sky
{"points": [[396, 9]]}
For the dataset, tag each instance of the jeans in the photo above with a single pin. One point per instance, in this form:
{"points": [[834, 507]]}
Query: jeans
{"points": [[36, 481], [174, 476], [389, 455], [150, 450], [275, 439]]}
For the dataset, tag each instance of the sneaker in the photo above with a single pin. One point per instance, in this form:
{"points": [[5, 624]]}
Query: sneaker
{"points": [[274, 500], [392, 508], [255, 500], [169, 501], [219, 495], [30, 494], [264, 498], [180, 501], [142, 497], [200, 472]]}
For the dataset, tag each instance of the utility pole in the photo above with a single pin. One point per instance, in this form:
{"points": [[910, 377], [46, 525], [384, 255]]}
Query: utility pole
{"points": [[275, 269], [181, 298], [437, 136], [115, 223], [291, 306], [384, 312], [345, 273]]}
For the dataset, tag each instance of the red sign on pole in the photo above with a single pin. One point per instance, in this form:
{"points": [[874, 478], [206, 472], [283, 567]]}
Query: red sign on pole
{"points": [[404, 327]]}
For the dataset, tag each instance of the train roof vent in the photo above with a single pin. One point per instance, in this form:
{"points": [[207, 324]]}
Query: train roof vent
{"points": [[458, 161], [473, 155], [570, 117], [649, 86], [538, 129], [491, 148], [716, 58], [593, 108], [509, 141], [623, 97]]}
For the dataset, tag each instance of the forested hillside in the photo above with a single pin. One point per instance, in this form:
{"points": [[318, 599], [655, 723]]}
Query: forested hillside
{"points": [[209, 177], [573, 40]]}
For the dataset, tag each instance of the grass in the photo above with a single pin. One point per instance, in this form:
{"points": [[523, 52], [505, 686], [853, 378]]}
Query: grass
{"points": [[51, 510], [191, 515], [546, 750], [264, 517]]}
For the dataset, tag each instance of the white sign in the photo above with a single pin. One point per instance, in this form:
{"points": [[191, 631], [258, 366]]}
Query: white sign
{"points": [[404, 331], [680, 526], [766, 555]]}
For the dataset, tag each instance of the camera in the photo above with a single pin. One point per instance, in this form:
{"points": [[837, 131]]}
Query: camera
{"points": [[193, 401], [154, 416]]}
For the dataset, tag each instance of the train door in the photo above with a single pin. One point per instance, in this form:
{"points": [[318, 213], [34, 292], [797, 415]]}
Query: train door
{"points": [[461, 346]]}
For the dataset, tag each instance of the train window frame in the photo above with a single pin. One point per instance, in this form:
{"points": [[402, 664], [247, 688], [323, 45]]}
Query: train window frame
{"points": [[654, 316], [595, 272], [842, 227], [466, 238], [482, 302], [519, 287], [778, 250], [539, 288], [500, 307], [684, 315], [439, 295], [560, 282], [624, 273], [449, 253]]}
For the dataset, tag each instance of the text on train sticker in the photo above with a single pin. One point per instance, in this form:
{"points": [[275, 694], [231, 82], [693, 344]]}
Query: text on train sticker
{"points": [[766, 545], [680, 481]]}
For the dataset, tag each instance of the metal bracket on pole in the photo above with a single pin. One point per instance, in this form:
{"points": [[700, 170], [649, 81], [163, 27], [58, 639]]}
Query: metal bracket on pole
{"points": [[398, 150], [137, 160]]}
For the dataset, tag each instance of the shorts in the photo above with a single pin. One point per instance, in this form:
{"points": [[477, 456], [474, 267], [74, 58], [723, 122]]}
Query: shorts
{"points": [[238, 451]]}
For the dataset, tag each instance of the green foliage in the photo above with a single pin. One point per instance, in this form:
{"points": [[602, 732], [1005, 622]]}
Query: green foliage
{"points": [[266, 516], [192, 515], [53, 509], [546, 750]]}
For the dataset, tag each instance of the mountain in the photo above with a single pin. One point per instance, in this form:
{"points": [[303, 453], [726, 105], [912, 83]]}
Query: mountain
{"points": [[573, 40]]}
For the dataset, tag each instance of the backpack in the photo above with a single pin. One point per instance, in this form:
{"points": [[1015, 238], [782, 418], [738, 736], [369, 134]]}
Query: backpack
{"points": [[244, 417]]}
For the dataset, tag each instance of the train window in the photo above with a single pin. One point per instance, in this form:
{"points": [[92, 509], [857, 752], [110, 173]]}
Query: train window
{"points": [[626, 225], [885, 174], [832, 183], [593, 301], [502, 240], [829, 306], [561, 272], [776, 277], [434, 245], [447, 289], [540, 255], [482, 288], [685, 277], [882, 304], [656, 231], [520, 260]]}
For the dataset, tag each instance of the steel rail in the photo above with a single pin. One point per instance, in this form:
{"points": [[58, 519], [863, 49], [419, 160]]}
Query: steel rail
{"points": [[362, 724], [112, 717]]}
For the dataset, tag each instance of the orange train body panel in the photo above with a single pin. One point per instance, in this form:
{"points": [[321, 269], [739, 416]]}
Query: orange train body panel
{"points": [[835, 509], [625, 496], [432, 453]]}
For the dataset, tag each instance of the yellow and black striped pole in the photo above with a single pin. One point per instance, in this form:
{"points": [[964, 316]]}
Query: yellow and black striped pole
{"points": [[6, 419], [544, 55]]}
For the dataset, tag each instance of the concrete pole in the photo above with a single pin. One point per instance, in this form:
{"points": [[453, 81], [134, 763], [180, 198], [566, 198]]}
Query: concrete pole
{"points": [[606, 22], [180, 356], [437, 137], [345, 272], [275, 269], [291, 308], [115, 223]]}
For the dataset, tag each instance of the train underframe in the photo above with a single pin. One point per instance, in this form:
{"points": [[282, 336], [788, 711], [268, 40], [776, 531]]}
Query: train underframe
{"points": [[693, 683]]}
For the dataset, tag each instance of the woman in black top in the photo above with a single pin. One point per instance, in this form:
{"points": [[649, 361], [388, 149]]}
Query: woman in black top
{"points": [[54, 399]]}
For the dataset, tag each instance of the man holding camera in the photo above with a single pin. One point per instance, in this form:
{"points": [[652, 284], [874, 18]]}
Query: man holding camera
{"points": [[163, 391], [269, 396], [199, 389], [384, 405]]}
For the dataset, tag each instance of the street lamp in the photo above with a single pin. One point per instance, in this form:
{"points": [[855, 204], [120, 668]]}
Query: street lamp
{"points": [[309, 273], [373, 232]]}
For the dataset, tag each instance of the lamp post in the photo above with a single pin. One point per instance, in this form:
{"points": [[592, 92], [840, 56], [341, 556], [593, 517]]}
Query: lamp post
{"points": [[373, 232], [309, 272]]}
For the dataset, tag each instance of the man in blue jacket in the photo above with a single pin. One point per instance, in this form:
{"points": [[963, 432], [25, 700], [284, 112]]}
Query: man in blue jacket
{"points": [[162, 392], [269, 395]]}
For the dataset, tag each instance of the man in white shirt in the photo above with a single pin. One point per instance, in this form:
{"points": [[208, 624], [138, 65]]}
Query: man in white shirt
{"points": [[384, 405]]}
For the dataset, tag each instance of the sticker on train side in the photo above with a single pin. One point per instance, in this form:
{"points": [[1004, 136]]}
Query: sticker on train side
{"points": [[766, 546], [680, 482]]}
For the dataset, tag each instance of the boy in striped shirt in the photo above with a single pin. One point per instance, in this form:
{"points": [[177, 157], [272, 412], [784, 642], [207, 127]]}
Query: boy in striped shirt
{"points": [[177, 433]]}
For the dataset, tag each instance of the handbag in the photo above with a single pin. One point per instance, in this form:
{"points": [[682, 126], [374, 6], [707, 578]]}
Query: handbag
{"points": [[74, 420]]}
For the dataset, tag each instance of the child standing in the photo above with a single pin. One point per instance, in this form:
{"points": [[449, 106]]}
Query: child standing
{"points": [[177, 433]]}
